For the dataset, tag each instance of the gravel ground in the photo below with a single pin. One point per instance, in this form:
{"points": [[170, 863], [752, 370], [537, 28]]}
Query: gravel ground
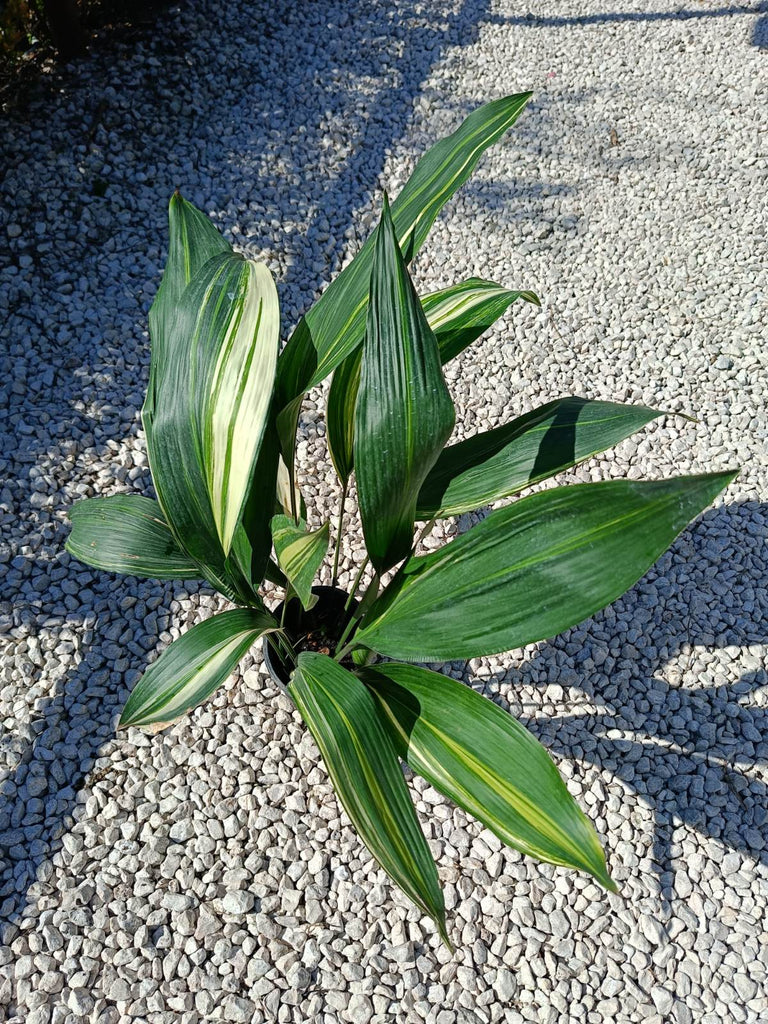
{"points": [[207, 873]]}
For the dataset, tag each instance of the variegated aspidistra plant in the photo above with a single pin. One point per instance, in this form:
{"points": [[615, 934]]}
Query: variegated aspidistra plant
{"points": [[221, 416]]}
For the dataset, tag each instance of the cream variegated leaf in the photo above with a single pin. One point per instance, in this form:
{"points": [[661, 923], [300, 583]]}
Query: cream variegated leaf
{"points": [[240, 392], [478, 755], [207, 449], [360, 758], [195, 665], [291, 505], [457, 316], [300, 553]]}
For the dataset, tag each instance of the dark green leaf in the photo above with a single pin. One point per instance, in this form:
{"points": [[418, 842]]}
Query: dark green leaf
{"points": [[485, 761], [359, 756], [533, 569], [334, 326], [128, 533], [457, 316], [195, 665], [404, 414], [536, 446], [193, 240]]}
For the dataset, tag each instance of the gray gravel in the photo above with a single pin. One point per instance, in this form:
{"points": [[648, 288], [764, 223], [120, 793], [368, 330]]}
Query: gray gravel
{"points": [[207, 873]]}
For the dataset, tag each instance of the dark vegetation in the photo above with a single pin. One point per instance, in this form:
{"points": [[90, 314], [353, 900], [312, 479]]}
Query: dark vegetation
{"points": [[35, 35]]}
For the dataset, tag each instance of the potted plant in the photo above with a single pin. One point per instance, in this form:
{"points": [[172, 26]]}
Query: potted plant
{"points": [[220, 417]]}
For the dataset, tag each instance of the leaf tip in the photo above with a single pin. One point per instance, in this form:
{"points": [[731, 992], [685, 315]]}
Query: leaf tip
{"points": [[611, 885], [444, 938]]}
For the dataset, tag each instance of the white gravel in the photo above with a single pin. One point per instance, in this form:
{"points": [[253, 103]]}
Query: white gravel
{"points": [[207, 873]]}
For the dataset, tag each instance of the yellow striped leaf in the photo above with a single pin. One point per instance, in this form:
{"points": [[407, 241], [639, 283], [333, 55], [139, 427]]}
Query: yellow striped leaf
{"points": [[533, 569], [457, 316], [299, 553], [486, 762], [497, 463], [193, 667], [342, 716], [334, 326]]}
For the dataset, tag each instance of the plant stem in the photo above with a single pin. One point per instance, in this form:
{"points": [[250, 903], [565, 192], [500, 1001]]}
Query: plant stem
{"points": [[281, 645], [338, 534], [356, 584], [370, 595], [288, 596]]}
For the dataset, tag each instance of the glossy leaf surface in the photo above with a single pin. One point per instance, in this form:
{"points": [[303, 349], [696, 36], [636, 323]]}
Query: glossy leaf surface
{"points": [[500, 462], [482, 758], [457, 317], [334, 326], [361, 760], [300, 553], [533, 569], [193, 240], [127, 533], [404, 414], [193, 667], [212, 408]]}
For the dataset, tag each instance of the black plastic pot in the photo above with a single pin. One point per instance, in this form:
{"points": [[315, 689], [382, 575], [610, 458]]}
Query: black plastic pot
{"points": [[309, 630]]}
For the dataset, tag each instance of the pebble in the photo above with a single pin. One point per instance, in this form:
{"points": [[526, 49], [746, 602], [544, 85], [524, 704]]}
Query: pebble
{"points": [[237, 903], [208, 872]]}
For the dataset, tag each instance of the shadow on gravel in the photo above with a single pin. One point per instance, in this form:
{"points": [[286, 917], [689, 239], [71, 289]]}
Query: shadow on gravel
{"points": [[688, 751], [52, 756], [185, 102]]}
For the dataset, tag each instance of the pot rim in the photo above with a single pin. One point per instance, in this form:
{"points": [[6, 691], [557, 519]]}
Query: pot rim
{"points": [[275, 666]]}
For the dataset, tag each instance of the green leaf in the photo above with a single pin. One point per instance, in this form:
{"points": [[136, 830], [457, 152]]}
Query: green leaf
{"points": [[533, 569], [404, 414], [193, 240], [334, 326], [457, 316], [359, 756], [252, 540], [195, 665], [340, 414], [460, 314], [500, 462], [486, 762], [299, 553], [127, 533], [212, 408]]}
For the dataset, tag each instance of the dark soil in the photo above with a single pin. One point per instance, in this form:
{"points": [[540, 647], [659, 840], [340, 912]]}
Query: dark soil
{"points": [[317, 630]]}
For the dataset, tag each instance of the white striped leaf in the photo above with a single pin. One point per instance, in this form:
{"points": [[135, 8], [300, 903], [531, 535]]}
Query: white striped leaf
{"points": [[460, 314], [211, 413], [343, 718], [292, 504], [403, 414], [486, 762], [239, 396], [193, 667], [457, 315], [299, 553], [334, 326], [127, 533]]}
